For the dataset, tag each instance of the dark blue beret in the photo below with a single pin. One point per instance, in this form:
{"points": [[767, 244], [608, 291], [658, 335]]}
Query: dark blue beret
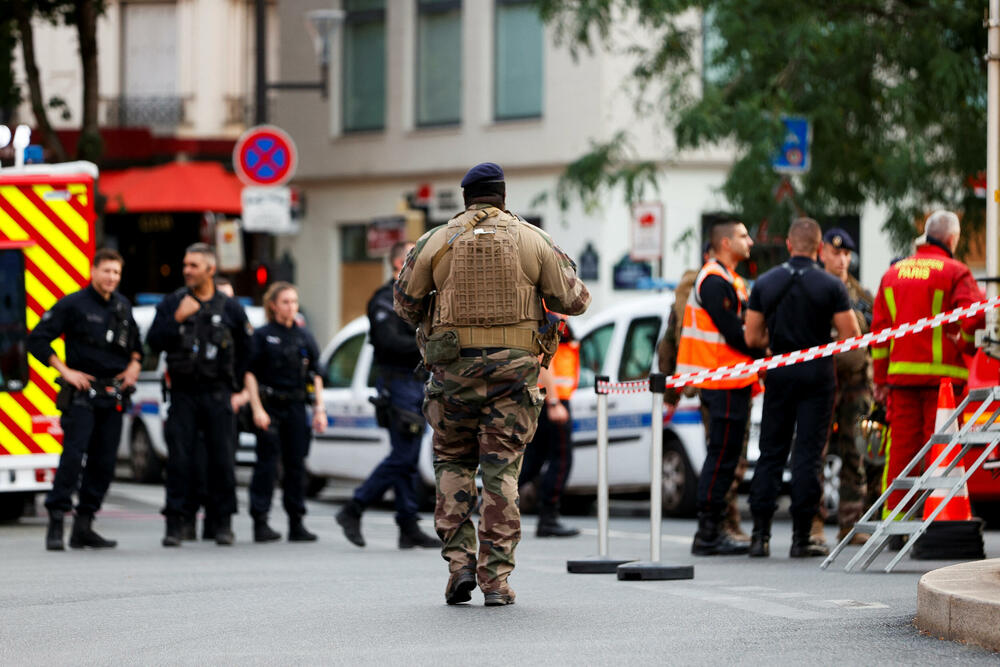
{"points": [[485, 172], [839, 238]]}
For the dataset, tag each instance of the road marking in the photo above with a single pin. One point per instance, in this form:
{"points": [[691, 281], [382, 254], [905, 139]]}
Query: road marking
{"points": [[848, 604], [787, 595], [752, 605], [749, 589]]}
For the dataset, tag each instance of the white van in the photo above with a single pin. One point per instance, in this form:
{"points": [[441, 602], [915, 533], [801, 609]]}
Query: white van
{"points": [[143, 445]]}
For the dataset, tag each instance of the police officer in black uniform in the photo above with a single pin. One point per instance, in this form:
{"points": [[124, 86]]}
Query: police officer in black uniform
{"points": [[103, 359], [207, 339], [399, 409], [283, 364], [792, 307]]}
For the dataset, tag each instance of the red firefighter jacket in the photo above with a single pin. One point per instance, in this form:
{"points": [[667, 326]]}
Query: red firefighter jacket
{"points": [[928, 283]]}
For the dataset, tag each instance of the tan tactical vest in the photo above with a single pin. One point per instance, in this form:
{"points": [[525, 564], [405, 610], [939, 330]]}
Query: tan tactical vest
{"points": [[486, 286]]}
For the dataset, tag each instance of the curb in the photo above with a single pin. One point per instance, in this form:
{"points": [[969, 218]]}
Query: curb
{"points": [[962, 602]]}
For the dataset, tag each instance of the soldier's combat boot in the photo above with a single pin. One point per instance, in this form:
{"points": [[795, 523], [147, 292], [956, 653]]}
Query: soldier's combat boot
{"points": [[760, 538], [711, 540], [550, 526], [224, 536], [297, 531], [189, 532], [411, 536], [349, 518], [84, 535], [263, 532], [460, 586], [802, 545], [731, 523], [54, 535], [173, 535], [498, 598]]}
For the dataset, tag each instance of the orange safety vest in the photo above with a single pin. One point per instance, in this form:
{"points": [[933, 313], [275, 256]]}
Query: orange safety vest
{"points": [[702, 346], [565, 367]]}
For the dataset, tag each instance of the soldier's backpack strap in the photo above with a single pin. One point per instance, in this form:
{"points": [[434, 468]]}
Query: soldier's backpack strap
{"points": [[476, 219]]}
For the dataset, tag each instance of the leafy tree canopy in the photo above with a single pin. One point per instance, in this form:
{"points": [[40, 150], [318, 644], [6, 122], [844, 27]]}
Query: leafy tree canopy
{"points": [[895, 90]]}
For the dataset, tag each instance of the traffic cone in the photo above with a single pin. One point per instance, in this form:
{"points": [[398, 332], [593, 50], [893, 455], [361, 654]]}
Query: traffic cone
{"points": [[955, 534]]}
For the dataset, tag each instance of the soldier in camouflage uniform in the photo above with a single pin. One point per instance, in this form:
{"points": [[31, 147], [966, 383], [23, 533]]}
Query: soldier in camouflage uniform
{"points": [[854, 388], [475, 288]]}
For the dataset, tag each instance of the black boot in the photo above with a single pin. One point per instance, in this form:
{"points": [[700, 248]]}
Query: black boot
{"points": [[263, 532], [411, 536], [760, 538], [349, 518], [802, 546], [224, 536], [173, 535], [208, 527], [54, 535], [297, 531], [711, 540], [83, 534], [189, 532], [550, 526]]}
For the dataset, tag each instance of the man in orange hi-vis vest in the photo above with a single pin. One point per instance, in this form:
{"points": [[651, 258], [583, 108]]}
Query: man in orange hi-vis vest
{"points": [[552, 446], [712, 336]]}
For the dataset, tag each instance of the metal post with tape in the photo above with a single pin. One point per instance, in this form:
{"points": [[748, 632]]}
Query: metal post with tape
{"points": [[653, 569], [601, 564]]}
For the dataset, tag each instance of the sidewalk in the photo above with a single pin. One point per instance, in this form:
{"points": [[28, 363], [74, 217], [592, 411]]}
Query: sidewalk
{"points": [[962, 602]]}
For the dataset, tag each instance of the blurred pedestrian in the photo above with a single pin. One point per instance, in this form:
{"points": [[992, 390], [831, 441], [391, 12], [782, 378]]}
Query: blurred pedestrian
{"points": [[793, 307], [489, 271], [207, 339], [552, 446], [283, 365], [399, 401], [103, 359], [712, 336], [853, 398], [909, 369]]}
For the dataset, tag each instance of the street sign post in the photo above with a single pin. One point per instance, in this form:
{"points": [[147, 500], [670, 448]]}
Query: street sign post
{"points": [[647, 231], [265, 155], [268, 209], [794, 156]]}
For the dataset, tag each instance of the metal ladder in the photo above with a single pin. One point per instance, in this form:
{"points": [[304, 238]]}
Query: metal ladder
{"points": [[972, 434]]}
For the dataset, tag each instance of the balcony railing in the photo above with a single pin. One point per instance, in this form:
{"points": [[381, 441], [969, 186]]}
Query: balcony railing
{"points": [[157, 112]]}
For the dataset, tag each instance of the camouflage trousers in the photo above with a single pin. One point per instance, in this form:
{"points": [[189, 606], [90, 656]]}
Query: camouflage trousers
{"points": [[484, 410], [852, 402]]}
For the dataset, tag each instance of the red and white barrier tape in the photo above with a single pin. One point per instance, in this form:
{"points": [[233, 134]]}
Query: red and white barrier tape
{"points": [[799, 356]]}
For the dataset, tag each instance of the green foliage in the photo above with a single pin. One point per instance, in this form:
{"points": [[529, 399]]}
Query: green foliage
{"points": [[895, 90]]}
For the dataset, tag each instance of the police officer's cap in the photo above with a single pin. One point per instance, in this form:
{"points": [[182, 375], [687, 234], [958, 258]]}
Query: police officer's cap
{"points": [[838, 238]]}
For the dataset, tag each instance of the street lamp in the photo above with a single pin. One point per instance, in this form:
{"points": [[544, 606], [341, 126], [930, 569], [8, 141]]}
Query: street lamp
{"points": [[320, 24]]}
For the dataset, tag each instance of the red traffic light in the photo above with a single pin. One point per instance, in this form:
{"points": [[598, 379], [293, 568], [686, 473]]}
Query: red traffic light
{"points": [[261, 275]]}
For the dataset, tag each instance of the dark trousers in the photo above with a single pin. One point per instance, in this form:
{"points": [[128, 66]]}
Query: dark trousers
{"points": [[94, 431], [211, 413], [288, 436], [551, 447], [797, 401], [728, 410], [398, 470]]}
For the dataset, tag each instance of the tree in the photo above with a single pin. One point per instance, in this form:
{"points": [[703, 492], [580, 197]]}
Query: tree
{"points": [[895, 90]]}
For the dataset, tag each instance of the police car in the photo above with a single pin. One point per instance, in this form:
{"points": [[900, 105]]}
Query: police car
{"points": [[142, 444], [619, 342]]}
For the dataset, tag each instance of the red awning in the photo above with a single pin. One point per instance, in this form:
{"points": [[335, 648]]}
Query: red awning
{"points": [[172, 188]]}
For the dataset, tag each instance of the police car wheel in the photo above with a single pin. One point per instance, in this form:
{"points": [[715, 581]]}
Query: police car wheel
{"points": [[680, 485], [146, 465]]}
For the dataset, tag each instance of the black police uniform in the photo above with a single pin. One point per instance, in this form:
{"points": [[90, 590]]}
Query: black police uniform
{"points": [[798, 300], [207, 357], [101, 340], [284, 360], [400, 396]]}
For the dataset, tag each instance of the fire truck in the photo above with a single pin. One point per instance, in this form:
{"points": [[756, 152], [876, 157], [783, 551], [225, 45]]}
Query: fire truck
{"points": [[46, 249]]}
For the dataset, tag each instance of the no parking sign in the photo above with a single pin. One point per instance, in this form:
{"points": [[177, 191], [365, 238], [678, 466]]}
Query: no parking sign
{"points": [[265, 155]]}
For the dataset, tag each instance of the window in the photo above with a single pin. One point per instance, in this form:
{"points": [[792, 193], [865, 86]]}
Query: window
{"points": [[593, 350], [640, 347], [439, 62], [149, 69], [340, 370], [519, 64], [364, 65], [13, 326]]}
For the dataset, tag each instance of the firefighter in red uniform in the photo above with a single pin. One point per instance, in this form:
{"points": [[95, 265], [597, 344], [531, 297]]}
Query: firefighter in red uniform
{"points": [[908, 370]]}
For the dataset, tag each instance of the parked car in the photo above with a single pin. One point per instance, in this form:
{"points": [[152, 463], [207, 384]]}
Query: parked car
{"points": [[619, 342], [142, 444]]}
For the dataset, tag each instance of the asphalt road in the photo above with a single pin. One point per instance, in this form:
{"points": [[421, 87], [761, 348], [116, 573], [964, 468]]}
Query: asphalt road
{"points": [[332, 603]]}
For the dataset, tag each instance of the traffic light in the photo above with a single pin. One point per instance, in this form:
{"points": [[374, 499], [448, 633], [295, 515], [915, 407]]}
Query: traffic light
{"points": [[261, 275]]}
